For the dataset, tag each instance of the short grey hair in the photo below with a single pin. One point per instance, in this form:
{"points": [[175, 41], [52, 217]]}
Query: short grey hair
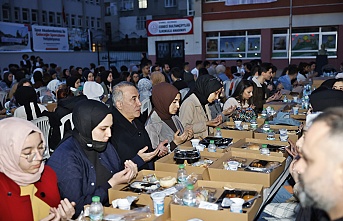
{"points": [[117, 92], [333, 118]]}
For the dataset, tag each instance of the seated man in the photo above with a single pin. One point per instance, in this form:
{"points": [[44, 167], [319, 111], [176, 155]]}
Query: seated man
{"points": [[321, 178], [129, 136]]}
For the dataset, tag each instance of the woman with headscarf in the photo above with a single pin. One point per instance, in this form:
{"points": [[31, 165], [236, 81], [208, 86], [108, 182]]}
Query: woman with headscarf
{"points": [[38, 79], [163, 124], [86, 164], [28, 188], [193, 110], [73, 82], [7, 82], [144, 88], [106, 82], [27, 98], [87, 75]]}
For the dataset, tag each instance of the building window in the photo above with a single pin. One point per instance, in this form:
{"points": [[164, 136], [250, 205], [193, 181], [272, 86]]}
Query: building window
{"points": [[58, 19], [108, 11], [92, 22], [67, 20], [305, 42], [169, 3], [142, 4], [5, 13], [73, 22], [233, 45], [97, 2], [87, 22], [98, 23], [141, 21], [79, 21], [44, 18], [25, 14], [16, 14], [51, 18], [126, 5], [34, 16], [91, 2]]}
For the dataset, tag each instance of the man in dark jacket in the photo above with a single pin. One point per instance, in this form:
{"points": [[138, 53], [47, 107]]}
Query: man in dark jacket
{"points": [[129, 136]]}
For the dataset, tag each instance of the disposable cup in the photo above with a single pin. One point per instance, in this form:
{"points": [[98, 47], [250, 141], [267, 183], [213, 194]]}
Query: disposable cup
{"points": [[237, 205], [121, 204], [195, 142], [158, 199], [233, 165]]}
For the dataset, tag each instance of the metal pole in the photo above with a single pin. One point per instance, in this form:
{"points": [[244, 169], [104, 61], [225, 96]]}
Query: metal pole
{"points": [[290, 32]]}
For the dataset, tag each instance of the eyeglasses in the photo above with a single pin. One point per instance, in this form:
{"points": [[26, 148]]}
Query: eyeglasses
{"points": [[33, 156]]}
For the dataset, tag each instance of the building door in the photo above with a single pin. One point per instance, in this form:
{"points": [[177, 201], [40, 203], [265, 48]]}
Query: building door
{"points": [[171, 52]]}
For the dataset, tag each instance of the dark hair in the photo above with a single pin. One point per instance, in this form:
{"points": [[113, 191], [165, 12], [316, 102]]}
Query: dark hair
{"points": [[239, 60], [274, 69], [292, 69], [153, 68], [198, 62], [23, 81], [185, 64], [265, 67], [144, 64], [203, 71], [214, 63], [206, 63], [124, 75], [301, 68], [176, 72], [64, 92], [284, 71], [248, 65], [123, 68], [238, 93], [258, 69]]}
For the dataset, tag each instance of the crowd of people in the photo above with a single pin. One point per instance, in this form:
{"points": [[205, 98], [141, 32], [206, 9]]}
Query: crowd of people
{"points": [[125, 120]]}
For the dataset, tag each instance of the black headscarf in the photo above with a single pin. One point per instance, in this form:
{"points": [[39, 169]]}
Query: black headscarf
{"points": [[8, 82], [204, 86], [86, 116], [24, 96], [71, 81], [322, 99], [85, 74]]}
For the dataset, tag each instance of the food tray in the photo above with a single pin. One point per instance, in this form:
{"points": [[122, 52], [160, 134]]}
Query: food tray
{"points": [[217, 141], [142, 187], [262, 166], [191, 156], [237, 193]]}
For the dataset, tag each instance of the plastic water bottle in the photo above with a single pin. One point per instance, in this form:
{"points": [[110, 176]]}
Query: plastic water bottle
{"points": [[96, 210], [271, 135], [182, 175], [8, 112], [218, 132], [264, 150], [285, 99], [266, 126], [189, 197], [212, 147], [264, 113]]}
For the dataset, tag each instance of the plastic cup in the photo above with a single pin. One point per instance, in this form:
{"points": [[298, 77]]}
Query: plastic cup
{"points": [[295, 99], [158, 199], [121, 204], [233, 165], [295, 110], [195, 142], [200, 147], [238, 123], [253, 125], [237, 205]]}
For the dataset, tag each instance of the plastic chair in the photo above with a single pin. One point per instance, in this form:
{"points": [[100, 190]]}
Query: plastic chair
{"points": [[20, 111], [3, 97], [43, 124], [65, 119]]}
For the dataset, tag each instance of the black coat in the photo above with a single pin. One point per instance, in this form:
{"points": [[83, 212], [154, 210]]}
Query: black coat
{"points": [[129, 138]]}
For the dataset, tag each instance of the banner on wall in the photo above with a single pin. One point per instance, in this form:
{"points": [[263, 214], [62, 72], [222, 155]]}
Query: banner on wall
{"points": [[246, 2], [181, 26], [14, 37], [46, 38], [79, 40]]}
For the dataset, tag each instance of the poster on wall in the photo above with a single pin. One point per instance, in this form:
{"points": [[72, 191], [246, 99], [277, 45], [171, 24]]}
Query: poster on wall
{"points": [[182, 26], [14, 37], [79, 39], [46, 38]]}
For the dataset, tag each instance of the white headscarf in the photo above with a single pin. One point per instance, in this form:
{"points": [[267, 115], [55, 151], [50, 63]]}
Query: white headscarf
{"points": [[93, 90]]}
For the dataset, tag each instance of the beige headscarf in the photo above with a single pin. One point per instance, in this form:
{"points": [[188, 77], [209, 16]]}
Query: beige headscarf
{"points": [[14, 132], [157, 77]]}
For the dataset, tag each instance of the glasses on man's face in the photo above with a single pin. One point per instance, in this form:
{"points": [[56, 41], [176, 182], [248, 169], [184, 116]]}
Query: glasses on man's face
{"points": [[33, 156]]}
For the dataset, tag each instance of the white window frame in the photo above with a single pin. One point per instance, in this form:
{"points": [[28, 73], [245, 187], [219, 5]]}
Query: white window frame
{"points": [[126, 5], [141, 23], [241, 54], [320, 41], [17, 14], [98, 23], [27, 12], [92, 25], [73, 21], [79, 21], [59, 19], [34, 12], [44, 17], [52, 14], [169, 3], [142, 4], [7, 10]]}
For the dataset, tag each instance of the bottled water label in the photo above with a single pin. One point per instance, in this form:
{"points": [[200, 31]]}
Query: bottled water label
{"points": [[188, 202]]}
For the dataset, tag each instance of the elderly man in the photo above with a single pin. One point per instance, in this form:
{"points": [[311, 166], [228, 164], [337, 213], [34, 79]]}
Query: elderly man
{"points": [[321, 179], [129, 136]]}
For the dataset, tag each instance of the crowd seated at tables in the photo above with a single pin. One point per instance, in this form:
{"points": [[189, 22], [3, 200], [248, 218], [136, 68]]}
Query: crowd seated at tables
{"points": [[110, 137]]}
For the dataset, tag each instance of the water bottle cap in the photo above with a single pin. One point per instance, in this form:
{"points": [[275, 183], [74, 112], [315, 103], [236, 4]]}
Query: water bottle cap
{"points": [[264, 145], [266, 122], [181, 166], [211, 141], [95, 199], [190, 187], [218, 128]]}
